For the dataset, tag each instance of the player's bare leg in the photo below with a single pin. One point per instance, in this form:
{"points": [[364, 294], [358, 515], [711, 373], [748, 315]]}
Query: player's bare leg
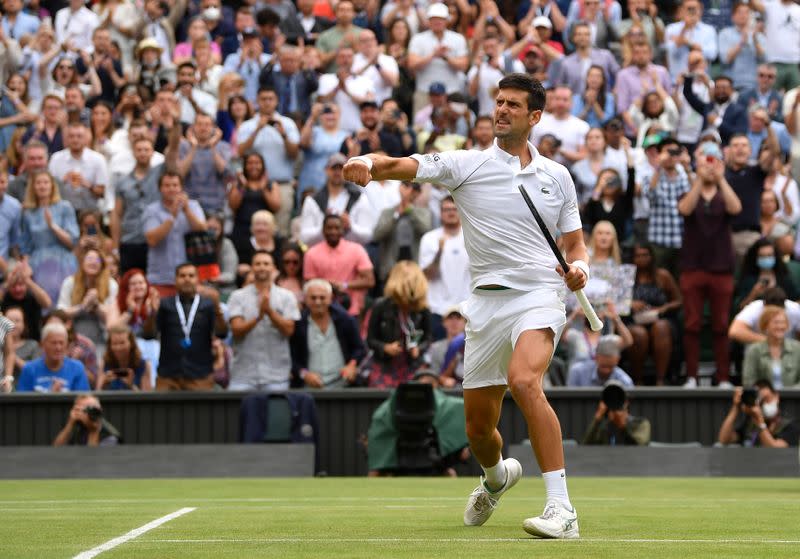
{"points": [[526, 371], [482, 408]]}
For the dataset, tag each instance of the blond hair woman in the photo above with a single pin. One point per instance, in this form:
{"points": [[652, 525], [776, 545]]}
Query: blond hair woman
{"points": [[603, 246], [399, 329], [88, 295], [48, 233]]}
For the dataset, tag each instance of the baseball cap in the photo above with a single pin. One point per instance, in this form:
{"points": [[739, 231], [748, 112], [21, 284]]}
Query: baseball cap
{"points": [[711, 149], [710, 134], [438, 10], [651, 140], [335, 159], [437, 88], [454, 309], [542, 21]]}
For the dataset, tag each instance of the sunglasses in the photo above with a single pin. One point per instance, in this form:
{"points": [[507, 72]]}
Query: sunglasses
{"points": [[770, 76]]}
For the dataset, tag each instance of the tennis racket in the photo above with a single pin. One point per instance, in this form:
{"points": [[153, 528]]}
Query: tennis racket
{"points": [[588, 310]]}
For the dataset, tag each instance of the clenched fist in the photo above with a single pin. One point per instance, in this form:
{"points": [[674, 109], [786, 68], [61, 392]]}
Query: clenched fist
{"points": [[358, 172]]}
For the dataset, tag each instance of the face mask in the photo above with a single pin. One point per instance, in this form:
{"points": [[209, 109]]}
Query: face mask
{"points": [[150, 63], [769, 409], [212, 13], [766, 262]]}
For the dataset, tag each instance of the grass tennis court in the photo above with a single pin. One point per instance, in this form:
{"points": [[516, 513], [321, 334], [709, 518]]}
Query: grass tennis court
{"points": [[408, 517]]}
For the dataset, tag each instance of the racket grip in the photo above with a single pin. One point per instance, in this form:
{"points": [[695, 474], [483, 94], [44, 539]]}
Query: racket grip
{"points": [[588, 310]]}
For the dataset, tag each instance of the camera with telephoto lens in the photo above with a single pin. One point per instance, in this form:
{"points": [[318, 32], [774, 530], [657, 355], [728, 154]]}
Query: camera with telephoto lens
{"points": [[614, 396], [93, 412], [749, 396]]}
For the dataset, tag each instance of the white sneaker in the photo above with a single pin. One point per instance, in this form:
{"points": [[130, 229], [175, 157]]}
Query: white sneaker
{"points": [[557, 521], [727, 385], [482, 502], [691, 382]]}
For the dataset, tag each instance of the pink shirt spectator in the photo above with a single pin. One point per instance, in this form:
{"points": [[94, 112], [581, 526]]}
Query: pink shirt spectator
{"points": [[184, 51], [341, 263]]}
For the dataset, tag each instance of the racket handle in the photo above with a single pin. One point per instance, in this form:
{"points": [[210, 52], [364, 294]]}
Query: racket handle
{"points": [[588, 310]]}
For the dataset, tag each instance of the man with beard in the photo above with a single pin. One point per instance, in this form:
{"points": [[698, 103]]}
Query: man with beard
{"points": [[344, 264], [637, 79], [515, 313], [187, 323], [203, 163], [723, 112], [262, 318], [346, 89], [193, 100], [341, 198]]}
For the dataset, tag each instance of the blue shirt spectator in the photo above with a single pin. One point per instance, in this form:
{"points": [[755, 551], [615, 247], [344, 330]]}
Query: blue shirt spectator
{"points": [[23, 24], [590, 373], [741, 49], [10, 218], [248, 62], [689, 33], [53, 371]]}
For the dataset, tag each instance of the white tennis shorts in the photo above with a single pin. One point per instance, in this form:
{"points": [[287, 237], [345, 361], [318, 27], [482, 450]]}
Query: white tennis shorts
{"points": [[495, 321]]}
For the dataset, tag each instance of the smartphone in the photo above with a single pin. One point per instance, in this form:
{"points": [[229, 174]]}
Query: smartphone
{"points": [[91, 230]]}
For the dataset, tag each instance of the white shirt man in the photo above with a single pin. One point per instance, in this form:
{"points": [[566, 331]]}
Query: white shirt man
{"points": [[439, 67], [74, 25], [262, 317], [380, 69], [749, 315], [563, 125], [782, 31], [444, 259], [494, 65], [80, 167]]}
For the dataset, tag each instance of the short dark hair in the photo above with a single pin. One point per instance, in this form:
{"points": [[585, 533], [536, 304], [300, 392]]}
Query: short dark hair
{"points": [[185, 64], [329, 217], [724, 78], [269, 88], [167, 174], [259, 251], [764, 383], [483, 118], [447, 198], [183, 265], [775, 296], [666, 142], [528, 84], [265, 16]]}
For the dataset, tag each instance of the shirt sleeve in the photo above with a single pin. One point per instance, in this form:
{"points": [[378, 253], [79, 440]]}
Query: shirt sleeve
{"points": [[26, 379], [292, 134], [289, 308], [428, 247], [446, 168], [750, 314], [150, 219], [235, 307], [80, 382], [327, 83], [364, 263], [570, 218]]}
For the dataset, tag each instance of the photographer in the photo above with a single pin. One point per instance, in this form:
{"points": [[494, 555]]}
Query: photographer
{"points": [[86, 425], [613, 425], [755, 419]]}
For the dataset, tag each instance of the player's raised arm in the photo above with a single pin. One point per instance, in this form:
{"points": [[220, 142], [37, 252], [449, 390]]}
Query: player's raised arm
{"points": [[373, 167]]}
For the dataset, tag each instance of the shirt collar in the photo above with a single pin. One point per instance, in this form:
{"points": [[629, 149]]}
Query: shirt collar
{"points": [[536, 159]]}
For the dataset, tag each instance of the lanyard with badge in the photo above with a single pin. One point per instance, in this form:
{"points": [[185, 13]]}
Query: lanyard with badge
{"points": [[186, 325]]}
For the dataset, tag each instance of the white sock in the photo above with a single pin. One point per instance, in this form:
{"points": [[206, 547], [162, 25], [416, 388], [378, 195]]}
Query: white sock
{"points": [[555, 484], [496, 475]]}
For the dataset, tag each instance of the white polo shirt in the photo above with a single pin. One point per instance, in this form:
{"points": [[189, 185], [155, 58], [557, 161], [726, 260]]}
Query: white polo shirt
{"points": [[751, 313], [451, 286], [504, 243], [91, 165]]}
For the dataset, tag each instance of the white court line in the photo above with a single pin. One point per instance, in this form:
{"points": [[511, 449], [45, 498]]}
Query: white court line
{"points": [[135, 533], [374, 499], [468, 540]]}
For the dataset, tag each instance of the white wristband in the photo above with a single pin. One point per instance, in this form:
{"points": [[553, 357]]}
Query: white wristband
{"points": [[366, 160], [582, 266]]}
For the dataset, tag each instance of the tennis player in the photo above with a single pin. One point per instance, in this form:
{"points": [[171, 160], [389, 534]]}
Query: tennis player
{"points": [[516, 313]]}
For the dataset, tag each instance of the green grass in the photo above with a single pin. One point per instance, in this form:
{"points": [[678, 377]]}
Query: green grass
{"points": [[414, 518]]}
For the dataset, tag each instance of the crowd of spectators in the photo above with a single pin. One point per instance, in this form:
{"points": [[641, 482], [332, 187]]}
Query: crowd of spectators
{"points": [[173, 212]]}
